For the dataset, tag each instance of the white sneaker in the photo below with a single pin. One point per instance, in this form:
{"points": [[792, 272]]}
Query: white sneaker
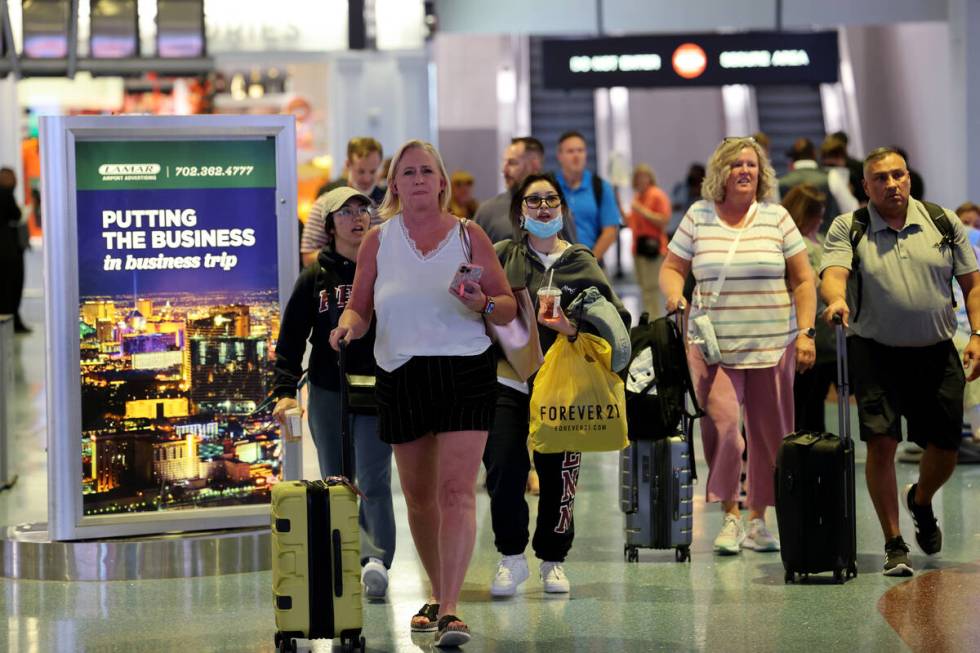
{"points": [[511, 572], [729, 540], [759, 538], [553, 578], [374, 578]]}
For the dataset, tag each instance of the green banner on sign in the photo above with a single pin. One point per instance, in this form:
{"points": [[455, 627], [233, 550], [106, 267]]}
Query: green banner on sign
{"points": [[119, 165]]}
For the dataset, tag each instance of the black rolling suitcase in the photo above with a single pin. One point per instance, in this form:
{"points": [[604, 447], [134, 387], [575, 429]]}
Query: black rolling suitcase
{"points": [[316, 554], [815, 493]]}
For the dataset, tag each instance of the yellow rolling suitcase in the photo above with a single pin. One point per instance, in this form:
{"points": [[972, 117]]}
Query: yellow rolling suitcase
{"points": [[316, 557]]}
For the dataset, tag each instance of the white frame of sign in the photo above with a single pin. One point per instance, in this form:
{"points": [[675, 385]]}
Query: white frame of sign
{"points": [[59, 134]]}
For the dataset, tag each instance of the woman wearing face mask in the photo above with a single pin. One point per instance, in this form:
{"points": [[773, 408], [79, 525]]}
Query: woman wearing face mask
{"points": [[537, 251]]}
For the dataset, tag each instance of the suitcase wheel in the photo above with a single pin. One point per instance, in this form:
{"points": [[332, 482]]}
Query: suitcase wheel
{"points": [[362, 643], [351, 643], [631, 553], [852, 570], [790, 577], [286, 645], [682, 554], [839, 576]]}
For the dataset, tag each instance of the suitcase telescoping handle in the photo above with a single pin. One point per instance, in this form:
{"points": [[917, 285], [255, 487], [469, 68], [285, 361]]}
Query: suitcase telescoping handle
{"points": [[843, 387], [678, 315], [687, 419], [346, 441]]}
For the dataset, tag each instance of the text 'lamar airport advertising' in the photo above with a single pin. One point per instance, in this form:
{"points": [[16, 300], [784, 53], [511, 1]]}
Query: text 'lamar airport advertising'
{"points": [[758, 58], [178, 315]]}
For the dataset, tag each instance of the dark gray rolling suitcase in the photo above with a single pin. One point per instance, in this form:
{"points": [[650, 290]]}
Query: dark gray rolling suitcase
{"points": [[815, 493], [657, 494]]}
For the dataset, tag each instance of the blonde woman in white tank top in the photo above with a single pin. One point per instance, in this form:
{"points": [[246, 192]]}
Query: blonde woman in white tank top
{"points": [[436, 377]]}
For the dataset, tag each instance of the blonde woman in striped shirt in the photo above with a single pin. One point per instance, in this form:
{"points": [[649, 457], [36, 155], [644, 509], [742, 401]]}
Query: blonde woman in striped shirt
{"points": [[763, 319]]}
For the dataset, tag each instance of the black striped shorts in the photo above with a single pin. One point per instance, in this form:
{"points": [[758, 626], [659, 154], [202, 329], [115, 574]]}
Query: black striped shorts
{"points": [[436, 394]]}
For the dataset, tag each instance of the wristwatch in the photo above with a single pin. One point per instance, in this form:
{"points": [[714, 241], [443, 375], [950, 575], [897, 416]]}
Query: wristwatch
{"points": [[489, 306], [812, 333], [975, 333]]}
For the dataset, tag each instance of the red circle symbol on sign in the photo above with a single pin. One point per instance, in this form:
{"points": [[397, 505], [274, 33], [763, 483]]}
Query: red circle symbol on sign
{"points": [[689, 60]]}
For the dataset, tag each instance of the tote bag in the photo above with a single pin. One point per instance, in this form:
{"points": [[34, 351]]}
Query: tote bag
{"points": [[578, 403]]}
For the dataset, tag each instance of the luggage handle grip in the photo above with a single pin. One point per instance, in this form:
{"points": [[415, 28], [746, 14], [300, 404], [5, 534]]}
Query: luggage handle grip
{"points": [[338, 564], [843, 385], [677, 494], [346, 437]]}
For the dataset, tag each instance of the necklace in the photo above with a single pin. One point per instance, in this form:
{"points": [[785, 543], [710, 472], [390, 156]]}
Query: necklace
{"points": [[559, 247]]}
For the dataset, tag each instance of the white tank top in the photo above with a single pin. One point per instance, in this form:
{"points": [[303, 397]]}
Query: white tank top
{"points": [[417, 316]]}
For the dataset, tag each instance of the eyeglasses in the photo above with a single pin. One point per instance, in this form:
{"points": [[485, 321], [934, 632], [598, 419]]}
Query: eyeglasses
{"points": [[729, 139], [349, 213], [535, 201]]}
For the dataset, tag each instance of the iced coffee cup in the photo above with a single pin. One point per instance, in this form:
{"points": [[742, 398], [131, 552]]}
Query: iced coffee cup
{"points": [[550, 299], [292, 429]]}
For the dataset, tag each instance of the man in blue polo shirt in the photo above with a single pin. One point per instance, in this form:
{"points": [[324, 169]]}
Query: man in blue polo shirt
{"points": [[597, 222]]}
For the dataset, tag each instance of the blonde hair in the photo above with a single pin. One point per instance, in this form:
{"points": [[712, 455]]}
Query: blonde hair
{"points": [[391, 205], [644, 169], [720, 166]]}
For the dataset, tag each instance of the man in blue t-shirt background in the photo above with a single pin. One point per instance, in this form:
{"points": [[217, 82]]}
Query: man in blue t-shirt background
{"points": [[597, 222]]}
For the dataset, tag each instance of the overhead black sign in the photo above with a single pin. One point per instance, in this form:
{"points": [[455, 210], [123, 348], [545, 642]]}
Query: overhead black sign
{"points": [[757, 58]]}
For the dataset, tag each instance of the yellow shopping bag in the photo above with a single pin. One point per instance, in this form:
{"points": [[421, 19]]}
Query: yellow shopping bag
{"points": [[578, 403]]}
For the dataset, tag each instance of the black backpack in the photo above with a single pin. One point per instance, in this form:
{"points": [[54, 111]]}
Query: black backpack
{"points": [[597, 193], [655, 412], [859, 226]]}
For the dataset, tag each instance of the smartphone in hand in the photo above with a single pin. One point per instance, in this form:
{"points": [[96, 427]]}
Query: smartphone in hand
{"points": [[466, 272]]}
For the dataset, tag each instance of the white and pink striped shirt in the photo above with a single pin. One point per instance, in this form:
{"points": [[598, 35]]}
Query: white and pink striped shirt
{"points": [[754, 317]]}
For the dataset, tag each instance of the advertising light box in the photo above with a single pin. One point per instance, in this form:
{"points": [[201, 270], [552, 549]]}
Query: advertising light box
{"points": [[678, 60], [182, 251]]}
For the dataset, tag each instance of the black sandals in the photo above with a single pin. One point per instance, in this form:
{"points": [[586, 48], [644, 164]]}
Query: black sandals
{"points": [[449, 635], [430, 611]]}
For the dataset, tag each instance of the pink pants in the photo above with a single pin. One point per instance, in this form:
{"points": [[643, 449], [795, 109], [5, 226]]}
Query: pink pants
{"points": [[766, 396]]}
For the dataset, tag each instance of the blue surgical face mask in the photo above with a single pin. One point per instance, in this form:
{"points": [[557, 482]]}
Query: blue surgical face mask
{"points": [[543, 228]]}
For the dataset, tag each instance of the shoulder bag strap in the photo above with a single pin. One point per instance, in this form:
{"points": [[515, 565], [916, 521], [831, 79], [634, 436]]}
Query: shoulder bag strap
{"points": [[723, 274], [464, 236]]}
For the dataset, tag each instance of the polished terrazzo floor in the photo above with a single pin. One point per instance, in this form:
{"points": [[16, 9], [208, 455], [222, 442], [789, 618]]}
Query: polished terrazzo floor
{"points": [[712, 604]]}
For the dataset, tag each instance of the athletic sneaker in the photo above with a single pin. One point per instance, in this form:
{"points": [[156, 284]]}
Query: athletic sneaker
{"points": [[729, 540], [927, 533], [554, 579], [511, 572], [759, 538], [910, 453], [374, 578], [897, 558]]}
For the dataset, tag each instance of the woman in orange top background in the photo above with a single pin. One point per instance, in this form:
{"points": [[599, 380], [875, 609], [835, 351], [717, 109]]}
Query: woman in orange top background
{"points": [[648, 218]]}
